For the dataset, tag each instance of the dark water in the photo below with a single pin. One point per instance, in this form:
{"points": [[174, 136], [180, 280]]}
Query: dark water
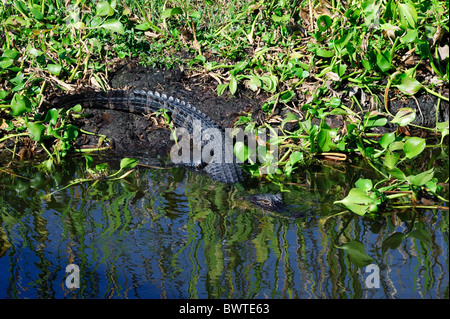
{"points": [[175, 234]]}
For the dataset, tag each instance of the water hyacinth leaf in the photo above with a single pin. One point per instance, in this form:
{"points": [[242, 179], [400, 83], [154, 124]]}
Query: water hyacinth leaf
{"points": [[408, 85], [20, 104], [397, 173], [114, 25], [357, 201], [422, 178], [357, 254], [407, 15], [324, 22], [242, 151], [171, 12], [36, 131], [54, 69], [404, 116], [414, 146], [387, 139], [233, 85], [364, 184], [6, 62], [390, 159], [128, 163]]}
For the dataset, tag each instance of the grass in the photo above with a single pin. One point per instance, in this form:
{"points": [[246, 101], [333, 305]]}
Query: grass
{"points": [[313, 58]]}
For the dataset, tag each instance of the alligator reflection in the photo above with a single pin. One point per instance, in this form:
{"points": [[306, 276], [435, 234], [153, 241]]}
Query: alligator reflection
{"points": [[172, 234]]}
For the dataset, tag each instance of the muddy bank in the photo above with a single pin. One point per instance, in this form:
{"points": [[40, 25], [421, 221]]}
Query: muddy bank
{"points": [[136, 135]]}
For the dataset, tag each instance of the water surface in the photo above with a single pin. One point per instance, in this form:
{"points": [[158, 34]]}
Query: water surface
{"points": [[168, 233]]}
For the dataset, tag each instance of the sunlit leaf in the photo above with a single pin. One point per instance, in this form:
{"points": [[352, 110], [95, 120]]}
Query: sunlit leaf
{"points": [[364, 184], [404, 116], [422, 178], [113, 25], [414, 146], [20, 104], [36, 131], [128, 163], [407, 15], [409, 85]]}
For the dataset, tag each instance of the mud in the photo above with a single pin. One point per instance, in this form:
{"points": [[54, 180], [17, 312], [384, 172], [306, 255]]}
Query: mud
{"points": [[136, 135]]}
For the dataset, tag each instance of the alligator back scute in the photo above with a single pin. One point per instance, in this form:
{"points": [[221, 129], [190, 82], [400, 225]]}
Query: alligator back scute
{"points": [[183, 115]]}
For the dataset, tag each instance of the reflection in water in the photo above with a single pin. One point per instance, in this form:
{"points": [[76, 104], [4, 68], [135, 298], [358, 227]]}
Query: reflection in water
{"points": [[161, 234]]}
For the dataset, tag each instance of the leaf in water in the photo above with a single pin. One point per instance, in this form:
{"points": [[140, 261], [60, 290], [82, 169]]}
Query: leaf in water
{"points": [[392, 242], [357, 201], [114, 25], [357, 254], [414, 146], [404, 116], [421, 233], [422, 178]]}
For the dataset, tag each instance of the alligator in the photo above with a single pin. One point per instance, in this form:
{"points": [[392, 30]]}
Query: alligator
{"points": [[183, 114]]}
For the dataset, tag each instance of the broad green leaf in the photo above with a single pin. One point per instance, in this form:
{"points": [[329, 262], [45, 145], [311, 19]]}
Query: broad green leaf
{"points": [[407, 15], [233, 85], [171, 12], [414, 146], [128, 163], [54, 69], [104, 9], [390, 159], [409, 85], [357, 201], [196, 15], [387, 139], [397, 173], [6, 62], [324, 22], [37, 14], [375, 121], [422, 178], [325, 53], [254, 83], [221, 88], [410, 36], [242, 151], [36, 131], [357, 254], [113, 25], [364, 184], [20, 104], [295, 157], [404, 116]]}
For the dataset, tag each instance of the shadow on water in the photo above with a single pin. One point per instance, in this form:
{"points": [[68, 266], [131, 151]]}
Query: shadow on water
{"points": [[176, 234]]}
